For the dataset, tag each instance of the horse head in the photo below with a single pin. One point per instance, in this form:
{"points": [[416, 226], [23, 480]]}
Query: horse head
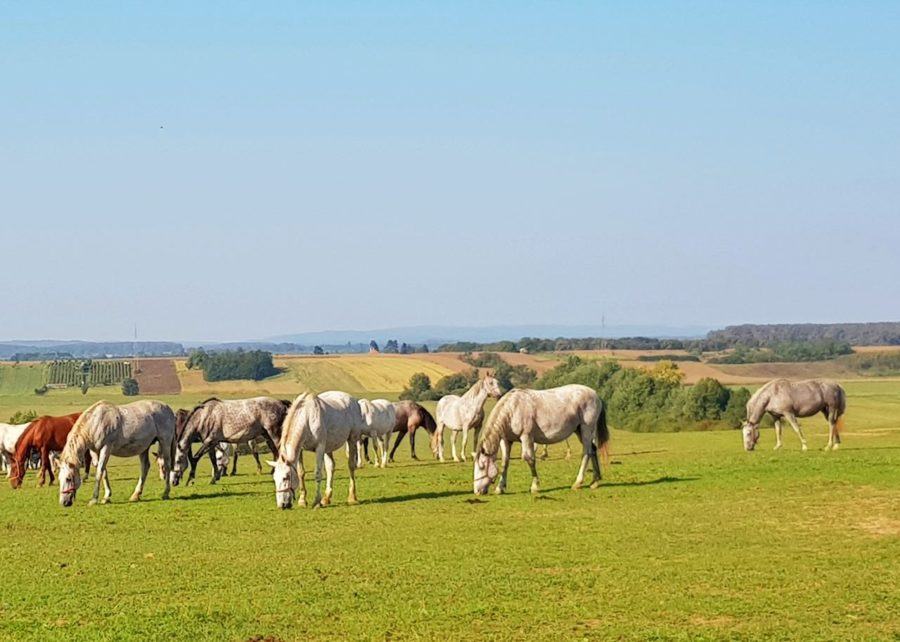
{"points": [[69, 482], [485, 472], [750, 434], [492, 386], [287, 480]]}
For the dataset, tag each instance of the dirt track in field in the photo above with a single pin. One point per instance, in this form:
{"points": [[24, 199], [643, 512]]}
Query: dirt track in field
{"points": [[157, 377]]}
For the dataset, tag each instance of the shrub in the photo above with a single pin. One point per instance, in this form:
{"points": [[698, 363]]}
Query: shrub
{"points": [[23, 417], [130, 387]]}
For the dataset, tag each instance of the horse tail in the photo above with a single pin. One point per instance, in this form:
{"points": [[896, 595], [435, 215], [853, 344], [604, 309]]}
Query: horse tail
{"points": [[839, 424], [603, 435]]}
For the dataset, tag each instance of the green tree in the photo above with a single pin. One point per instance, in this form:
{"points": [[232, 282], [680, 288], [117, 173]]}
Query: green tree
{"points": [[418, 388], [130, 387]]}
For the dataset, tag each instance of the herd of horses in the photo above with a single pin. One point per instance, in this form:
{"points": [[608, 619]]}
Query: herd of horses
{"points": [[327, 422]]}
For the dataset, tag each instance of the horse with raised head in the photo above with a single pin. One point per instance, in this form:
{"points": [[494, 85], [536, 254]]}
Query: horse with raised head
{"points": [[45, 435], [235, 421], [9, 437], [121, 431], [541, 417], [784, 399], [321, 424], [462, 414]]}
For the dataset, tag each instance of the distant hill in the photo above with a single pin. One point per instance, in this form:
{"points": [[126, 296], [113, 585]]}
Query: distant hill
{"points": [[48, 349], [869, 334], [435, 335]]}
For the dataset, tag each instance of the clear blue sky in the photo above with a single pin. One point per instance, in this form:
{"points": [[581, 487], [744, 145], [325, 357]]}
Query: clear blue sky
{"points": [[239, 170]]}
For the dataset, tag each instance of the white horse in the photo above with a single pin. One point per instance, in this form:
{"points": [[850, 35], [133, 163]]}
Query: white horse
{"points": [[791, 399], [9, 437], [380, 417], [321, 424], [124, 431], [542, 417], [461, 414]]}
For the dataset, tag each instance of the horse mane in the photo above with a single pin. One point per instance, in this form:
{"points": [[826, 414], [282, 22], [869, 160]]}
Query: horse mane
{"points": [[299, 403], [76, 443], [489, 441], [197, 408], [428, 421]]}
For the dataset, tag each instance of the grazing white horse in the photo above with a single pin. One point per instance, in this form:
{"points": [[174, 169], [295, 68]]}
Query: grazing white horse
{"points": [[9, 437], [321, 424], [542, 417], [379, 417], [461, 414], [224, 451], [123, 431], [791, 399]]}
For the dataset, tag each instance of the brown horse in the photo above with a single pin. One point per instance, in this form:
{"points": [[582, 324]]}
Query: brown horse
{"points": [[45, 435], [411, 416]]}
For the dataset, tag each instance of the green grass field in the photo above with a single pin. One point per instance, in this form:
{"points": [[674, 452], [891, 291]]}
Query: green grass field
{"points": [[688, 538]]}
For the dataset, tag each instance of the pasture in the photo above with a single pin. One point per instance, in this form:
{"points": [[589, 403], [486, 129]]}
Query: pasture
{"points": [[689, 537]]}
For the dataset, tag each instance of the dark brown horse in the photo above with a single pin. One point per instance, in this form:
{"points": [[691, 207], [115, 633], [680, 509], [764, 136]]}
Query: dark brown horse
{"points": [[45, 435], [411, 416]]}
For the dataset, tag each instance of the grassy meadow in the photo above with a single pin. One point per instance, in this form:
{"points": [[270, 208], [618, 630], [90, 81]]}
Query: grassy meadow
{"points": [[689, 537]]}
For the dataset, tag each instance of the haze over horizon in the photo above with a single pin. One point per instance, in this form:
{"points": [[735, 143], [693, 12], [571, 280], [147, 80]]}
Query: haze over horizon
{"points": [[235, 172]]}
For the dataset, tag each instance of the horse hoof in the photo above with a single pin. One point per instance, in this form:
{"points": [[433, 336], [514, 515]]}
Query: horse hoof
{"points": [[352, 501], [777, 447], [835, 446], [93, 502], [804, 447], [576, 486], [535, 490], [595, 485], [499, 490], [134, 498], [105, 500]]}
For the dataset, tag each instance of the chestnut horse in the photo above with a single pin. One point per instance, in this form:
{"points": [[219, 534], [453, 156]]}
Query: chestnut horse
{"points": [[45, 435]]}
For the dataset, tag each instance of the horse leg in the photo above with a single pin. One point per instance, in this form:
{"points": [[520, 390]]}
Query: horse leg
{"points": [[397, 444], [329, 479], [453, 445], [99, 472], [211, 454], [255, 454], [528, 457], [796, 426], [45, 466], [778, 442], [320, 464], [385, 445], [145, 468], [462, 446], [504, 466], [351, 493], [301, 473], [545, 453], [587, 446], [568, 450]]}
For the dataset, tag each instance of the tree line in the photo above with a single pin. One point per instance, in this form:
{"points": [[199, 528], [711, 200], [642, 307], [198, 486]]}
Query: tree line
{"points": [[640, 400], [254, 365]]}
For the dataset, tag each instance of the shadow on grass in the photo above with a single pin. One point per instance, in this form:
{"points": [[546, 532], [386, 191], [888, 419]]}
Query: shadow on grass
{"points": [[624, 484], [650, 482], [214, 495], [414, 496]]}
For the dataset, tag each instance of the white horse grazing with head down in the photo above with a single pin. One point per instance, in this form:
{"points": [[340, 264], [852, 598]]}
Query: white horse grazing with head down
{"points": [[9, 437], [791, 399], [542, 417], [122, 431], [461, 414], [379, 417], [321, 424]]}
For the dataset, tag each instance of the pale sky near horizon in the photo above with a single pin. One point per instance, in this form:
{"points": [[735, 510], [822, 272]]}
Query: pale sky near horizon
{"points": [[234, 170]]}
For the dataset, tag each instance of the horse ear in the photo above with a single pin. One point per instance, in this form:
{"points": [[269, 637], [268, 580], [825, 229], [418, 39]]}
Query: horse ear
{"points": [[156, 454], [271, 463]]}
